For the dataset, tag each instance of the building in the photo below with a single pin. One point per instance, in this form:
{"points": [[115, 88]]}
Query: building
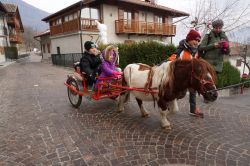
{"points": [[15, 26], [238, 53], [11, 30], [45, 43], [126, 21], [4, 39]]}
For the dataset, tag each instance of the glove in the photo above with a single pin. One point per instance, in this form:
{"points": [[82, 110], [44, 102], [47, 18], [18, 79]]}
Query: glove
{"points": [[172, 57], [224, 45], [117, 73]]}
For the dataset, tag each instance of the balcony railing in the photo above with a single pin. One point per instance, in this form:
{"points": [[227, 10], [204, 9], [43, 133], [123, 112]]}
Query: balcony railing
{"points": [[16, 38], [73, 26], [144, 28], [89, 24], [65, 27], [13, 21]]}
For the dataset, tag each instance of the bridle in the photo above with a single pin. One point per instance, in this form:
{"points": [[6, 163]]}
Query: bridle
{"points": [[202, 81]]}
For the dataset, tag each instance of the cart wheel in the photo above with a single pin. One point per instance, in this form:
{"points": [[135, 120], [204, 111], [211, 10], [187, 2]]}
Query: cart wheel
{"points": [[74, 98]]}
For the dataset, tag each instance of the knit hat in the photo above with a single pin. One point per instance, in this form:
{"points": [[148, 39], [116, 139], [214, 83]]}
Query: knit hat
{"points": [[88, 45], [217, 23], [193, 35]]}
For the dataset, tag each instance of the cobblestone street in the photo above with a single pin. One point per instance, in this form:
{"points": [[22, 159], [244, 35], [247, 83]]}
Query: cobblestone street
{"points": [[38, 126]]}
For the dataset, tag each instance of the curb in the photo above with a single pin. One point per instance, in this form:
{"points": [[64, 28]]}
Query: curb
{"points": [[5, 64], [232, 92]]}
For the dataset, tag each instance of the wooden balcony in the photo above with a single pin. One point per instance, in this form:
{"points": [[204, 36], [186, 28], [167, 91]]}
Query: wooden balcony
{"points": [[144, 28], [89, 24], [73, 26], [16, 38], [65, 27], [13, 22]]}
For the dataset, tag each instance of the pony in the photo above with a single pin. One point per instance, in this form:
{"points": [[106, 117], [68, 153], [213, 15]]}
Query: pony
{"points": [[166, 83]]}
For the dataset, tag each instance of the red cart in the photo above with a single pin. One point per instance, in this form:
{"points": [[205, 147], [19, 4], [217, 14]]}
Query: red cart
{"points": [[107, 87]]}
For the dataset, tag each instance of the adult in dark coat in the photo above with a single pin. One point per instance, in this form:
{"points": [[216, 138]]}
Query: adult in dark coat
{"points": [[90, 62], [215, 46]]}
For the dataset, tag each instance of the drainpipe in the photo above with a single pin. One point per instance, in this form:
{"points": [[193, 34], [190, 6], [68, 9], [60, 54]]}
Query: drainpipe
{"points": [[81, 26]]}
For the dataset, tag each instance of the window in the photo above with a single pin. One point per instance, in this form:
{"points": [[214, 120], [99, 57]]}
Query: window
{"points": [[66, 18], [58, 50], [158, 19], [70, 17], [127, 15], [75, 15], [90, 13], [58, 21], [127, 19]]}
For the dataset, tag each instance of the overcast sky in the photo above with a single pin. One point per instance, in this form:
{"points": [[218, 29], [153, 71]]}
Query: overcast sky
{"points": [[188, 6], [52, 6]]}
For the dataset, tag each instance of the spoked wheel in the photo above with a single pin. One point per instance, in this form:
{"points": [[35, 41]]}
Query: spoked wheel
{"points": [[74, 98]]}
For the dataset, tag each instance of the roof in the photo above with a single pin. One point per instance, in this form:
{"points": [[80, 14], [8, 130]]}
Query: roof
{"points": [[172, 12], [156, 6], [2, 8], [11, 8], [45, 33], [75, 5]]}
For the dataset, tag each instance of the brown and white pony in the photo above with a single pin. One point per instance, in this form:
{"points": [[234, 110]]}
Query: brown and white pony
{"points": [[171, 79]]}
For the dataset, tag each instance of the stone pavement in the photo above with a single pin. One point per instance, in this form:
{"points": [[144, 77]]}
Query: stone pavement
{"points": [[38, 126]]}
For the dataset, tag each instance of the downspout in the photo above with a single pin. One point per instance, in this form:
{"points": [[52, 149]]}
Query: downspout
{"points": [[80, 25]]}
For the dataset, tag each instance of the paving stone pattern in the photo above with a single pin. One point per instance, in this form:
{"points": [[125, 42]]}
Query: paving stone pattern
{"points": [[38, 126]]}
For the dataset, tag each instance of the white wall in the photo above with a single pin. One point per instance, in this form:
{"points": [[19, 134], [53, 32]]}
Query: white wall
{"points": [[233, 60], [67, 44], [3, 42], [110, 14], [45, 40]]}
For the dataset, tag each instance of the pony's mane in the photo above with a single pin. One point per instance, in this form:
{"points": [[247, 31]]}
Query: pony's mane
{"points": [[167, 79], [206, 66]]}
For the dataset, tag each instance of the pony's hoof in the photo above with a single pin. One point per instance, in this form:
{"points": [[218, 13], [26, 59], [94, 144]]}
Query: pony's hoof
{"points": [[119, 111], [166, 127], [145, 116]]}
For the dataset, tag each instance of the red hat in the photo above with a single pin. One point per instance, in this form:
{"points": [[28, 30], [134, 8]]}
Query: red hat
{"points": [[193, 35]]}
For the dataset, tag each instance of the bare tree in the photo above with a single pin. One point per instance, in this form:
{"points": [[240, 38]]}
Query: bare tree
{"points": [[28, 37], [234, 14]]}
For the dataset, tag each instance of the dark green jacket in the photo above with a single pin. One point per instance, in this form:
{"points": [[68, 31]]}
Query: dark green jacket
{"points": [[213, 55]]}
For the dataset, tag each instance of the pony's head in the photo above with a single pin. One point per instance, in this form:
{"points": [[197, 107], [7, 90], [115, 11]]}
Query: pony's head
{"points": [[203, 78], [195, 74]]}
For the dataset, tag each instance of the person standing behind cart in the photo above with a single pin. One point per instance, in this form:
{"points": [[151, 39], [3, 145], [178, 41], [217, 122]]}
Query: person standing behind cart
{"points": [[187, 50], [214, 46], [90, 62]]}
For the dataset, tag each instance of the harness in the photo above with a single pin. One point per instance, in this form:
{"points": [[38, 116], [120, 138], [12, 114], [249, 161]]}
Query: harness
{"points": [[202, 81], [148, 84]]}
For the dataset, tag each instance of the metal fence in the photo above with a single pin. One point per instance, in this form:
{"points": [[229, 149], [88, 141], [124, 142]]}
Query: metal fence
{"points": [[66, 60]]}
